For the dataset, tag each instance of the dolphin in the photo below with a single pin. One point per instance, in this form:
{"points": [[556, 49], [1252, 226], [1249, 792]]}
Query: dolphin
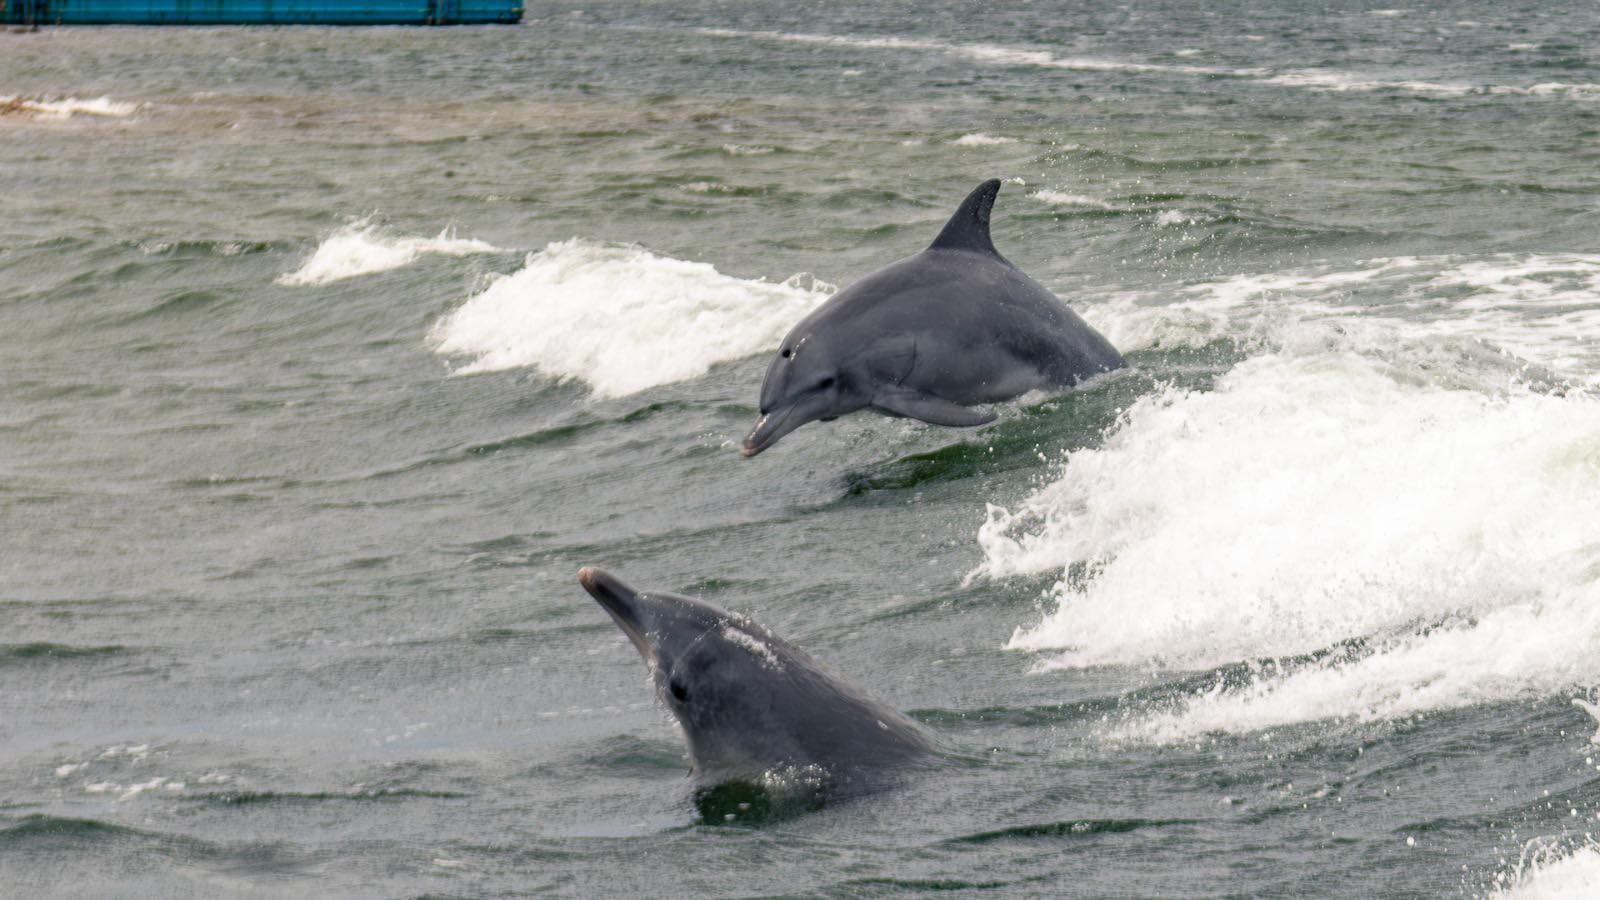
{"points": [[754, 708], [927, 337]]}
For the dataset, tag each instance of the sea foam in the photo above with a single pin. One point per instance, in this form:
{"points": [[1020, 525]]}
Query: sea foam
{"points": [[1552, 875], [1373, 519], [68, 107], [1541, 307], [620, 318], [1310, 79], [1062, 198], [995, 54], [363, 248], [979, 139]]}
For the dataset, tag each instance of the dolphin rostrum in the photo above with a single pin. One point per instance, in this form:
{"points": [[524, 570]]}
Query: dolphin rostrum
{"points": [[927, 337]]}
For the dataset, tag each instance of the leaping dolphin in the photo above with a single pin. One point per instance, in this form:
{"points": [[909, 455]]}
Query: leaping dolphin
{"points": [[928, 336], [752, 705]]}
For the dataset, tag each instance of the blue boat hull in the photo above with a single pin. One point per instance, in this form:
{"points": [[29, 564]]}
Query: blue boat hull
{"points": [[261, 12]]}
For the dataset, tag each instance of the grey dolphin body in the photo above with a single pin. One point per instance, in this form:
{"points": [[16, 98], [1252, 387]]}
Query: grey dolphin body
{"points": [[753, 706], [928, 336]]}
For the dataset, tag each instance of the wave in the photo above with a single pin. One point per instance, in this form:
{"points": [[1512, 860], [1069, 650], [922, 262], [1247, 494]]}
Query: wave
{"points": [[66, 108], [378, 795], [1357, 482], [1061, 198], [987, 53], [1585, 91], [45, 651], [363, 248], [62, 828], [1539, 308], [979, 139], [1545, 874], [620, 318], [1310, 79], [131, 790], [1074, 828], [194, 248], [1325, 80]]}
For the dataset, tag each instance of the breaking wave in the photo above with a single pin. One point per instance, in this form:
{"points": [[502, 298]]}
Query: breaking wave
{"points": [[621, 318], [363, 248], [68, 107], [1378, 515], [1554, 876]]}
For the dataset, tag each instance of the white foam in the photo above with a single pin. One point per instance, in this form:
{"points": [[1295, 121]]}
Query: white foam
{"points": [[1544, 874], [1062, 198], [1169, 217], [621, 319], [1310, 79], [986, 53], [979, 139], [69, 107], [1586, 706], [1325, 80], [134, 790], [1544, 308], [746, 150], [1365, 477], [130, 791], [363, 248], [1584, 91]]}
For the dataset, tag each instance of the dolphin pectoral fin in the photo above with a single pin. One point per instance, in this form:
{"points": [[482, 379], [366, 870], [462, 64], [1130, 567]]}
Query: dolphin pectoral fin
{"points": [[928, 408]]}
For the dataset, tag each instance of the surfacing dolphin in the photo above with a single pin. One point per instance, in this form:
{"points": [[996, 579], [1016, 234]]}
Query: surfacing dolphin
{"points": [[754, 708], [928, 336]]}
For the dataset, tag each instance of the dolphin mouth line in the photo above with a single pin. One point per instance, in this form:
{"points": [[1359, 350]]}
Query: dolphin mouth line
{"points": [[758, 441]]}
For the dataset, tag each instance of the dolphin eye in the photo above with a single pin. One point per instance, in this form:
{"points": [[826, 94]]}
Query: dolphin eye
{"points": [[824, 384], [679, 692], [786, 353]]}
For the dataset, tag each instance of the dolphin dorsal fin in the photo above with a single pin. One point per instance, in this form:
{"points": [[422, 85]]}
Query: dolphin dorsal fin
{"points": [[968, 229]]}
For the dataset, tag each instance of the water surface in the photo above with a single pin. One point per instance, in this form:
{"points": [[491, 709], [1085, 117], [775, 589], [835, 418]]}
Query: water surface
{"points": [[330, 355]]}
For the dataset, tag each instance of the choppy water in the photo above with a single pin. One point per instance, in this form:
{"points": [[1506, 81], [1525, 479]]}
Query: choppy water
{"points": [[330, 355]]}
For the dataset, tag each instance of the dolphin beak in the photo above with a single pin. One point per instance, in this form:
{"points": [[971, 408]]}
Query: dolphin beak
{"points": [[769, 428], [621, 601]]}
